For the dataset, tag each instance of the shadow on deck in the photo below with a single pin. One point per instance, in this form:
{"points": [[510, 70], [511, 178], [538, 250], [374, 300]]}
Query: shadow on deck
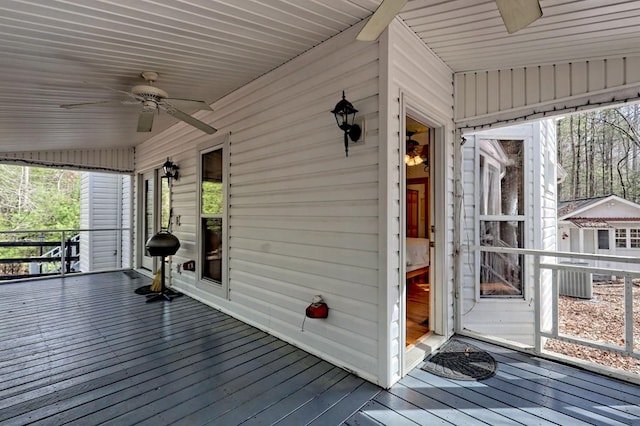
{"points": [[87, 350]]}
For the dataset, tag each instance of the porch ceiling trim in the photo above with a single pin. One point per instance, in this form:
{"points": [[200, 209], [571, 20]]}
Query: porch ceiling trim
{"points": [[113, 160], [502, 97]]}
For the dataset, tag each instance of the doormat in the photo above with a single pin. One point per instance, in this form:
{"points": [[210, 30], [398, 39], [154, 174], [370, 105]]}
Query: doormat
{"points": [[458, 360], [133, 274]]}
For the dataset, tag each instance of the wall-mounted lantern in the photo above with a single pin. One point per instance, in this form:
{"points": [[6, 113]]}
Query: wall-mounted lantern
{"points": [[170, 169], [345, 115]]}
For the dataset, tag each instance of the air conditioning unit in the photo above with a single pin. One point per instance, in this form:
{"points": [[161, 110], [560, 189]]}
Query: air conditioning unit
{"points": [[575, 283]]}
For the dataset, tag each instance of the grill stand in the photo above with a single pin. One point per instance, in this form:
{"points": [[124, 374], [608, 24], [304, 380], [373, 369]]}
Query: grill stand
{"points": [[165, 293]]}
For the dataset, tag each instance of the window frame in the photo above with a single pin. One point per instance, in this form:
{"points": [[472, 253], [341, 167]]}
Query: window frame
{"points": [[621, 237], [634, 238], [520, 218], [220, 289]]}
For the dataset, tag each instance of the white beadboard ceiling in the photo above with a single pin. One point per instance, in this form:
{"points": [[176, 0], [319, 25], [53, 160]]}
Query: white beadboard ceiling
{"points": [[61, 52]]}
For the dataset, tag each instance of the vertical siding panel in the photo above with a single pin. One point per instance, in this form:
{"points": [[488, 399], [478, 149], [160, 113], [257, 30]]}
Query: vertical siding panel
{"points": [[459, 95], [481, 93], [615, 72], [528, 91], [579, 78], [471, 92], [506, 100], [493, 91], [597, 75], [532, 75], [632, 69], [563, 81], [547, 82], [518, 87]]}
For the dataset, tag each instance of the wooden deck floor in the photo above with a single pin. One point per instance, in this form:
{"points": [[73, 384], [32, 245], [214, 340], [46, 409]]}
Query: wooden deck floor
{"points": [[87, 350]]}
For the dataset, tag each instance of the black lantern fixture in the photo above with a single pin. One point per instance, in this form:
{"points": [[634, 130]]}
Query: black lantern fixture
{"points": [[170, 169], [345, 115]]}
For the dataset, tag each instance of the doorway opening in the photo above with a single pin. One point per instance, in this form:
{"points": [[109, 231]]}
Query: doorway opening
{"points": [[418, 230], [153, 215]]}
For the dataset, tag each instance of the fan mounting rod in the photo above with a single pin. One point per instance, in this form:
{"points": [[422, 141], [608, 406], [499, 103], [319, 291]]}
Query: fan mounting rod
{"points": [[149, 76]]}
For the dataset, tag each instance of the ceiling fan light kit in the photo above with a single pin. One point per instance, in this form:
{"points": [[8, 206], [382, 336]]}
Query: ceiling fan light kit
{"points": [[153, 99]]}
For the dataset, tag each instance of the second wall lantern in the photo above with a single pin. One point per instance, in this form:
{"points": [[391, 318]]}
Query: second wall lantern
{"points": [[345, 115], [170, 169]]}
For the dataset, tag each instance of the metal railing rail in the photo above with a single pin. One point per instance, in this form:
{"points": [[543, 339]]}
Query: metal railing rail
{"points": [[62, 252]]}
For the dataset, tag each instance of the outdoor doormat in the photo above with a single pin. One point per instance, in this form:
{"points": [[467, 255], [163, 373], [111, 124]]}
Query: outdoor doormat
{"points": [[458, 360], [133, 274]]}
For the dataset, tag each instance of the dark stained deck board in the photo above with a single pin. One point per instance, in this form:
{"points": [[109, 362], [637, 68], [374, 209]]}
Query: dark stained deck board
{"points": [[609, 398], [87, 350], [624, 391]]}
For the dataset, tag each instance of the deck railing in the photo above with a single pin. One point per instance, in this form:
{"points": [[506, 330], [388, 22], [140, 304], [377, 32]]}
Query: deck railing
{"points": [[546, 295], [50, 252]]}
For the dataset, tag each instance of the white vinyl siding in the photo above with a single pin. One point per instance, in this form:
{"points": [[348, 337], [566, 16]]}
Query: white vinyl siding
{"points": [[103, 205], [501, 96], [303, 218], [108, 159], [510, 319], [427, 87]]}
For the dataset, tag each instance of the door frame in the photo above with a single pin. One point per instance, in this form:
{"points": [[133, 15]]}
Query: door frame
{"points": [[438, 277], [157, 215]]}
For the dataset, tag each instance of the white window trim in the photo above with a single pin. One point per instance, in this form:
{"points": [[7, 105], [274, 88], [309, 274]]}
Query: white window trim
{"points": [[218, 289]]}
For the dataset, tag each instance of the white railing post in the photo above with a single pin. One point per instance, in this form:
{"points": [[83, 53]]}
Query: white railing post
{"points": [[62, 254], [536, 304], [555, 296], [628, 313]]}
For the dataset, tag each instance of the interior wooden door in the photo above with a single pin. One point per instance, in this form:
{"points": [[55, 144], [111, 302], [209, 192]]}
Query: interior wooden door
{"points": [[413, 213]]}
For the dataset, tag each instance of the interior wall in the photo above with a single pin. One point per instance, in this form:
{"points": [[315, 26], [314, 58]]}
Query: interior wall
{"points": [[303, 217]]}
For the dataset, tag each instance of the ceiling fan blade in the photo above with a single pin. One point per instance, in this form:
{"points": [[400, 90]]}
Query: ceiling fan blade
{"points": [[517, 14], [145, 120], [183, 104], [380, 19], [190, 120], [89, 104]]}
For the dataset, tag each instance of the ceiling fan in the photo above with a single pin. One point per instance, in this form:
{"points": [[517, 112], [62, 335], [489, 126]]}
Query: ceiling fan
{"points": [[415, 153], [153, 99], [516, 14]]}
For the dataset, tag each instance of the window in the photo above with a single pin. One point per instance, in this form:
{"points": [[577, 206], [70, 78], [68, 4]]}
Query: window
{"points": [[603, 239], [621, 238], [212, 215], [634, 238], [501, 166]]}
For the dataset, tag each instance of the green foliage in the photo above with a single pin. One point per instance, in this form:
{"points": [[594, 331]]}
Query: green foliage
{"points": [[600, 151], [34, 199], [212, 197]]}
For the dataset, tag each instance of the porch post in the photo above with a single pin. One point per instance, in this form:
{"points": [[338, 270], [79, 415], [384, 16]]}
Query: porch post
{"points": [[537, 309]]}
